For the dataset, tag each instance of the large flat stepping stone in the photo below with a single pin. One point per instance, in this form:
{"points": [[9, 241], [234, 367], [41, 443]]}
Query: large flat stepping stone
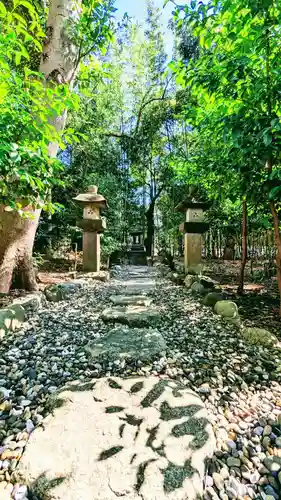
{"points": [[137, 439], [131, 315], [137, 287], [128, 343], [126, 300]]}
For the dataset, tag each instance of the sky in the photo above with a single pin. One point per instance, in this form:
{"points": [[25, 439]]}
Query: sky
{"points": [[137, 9]]}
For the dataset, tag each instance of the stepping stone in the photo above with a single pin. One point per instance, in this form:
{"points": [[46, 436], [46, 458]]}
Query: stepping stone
{"points": [[97, 276], [128, 343], [137, 439], [137, 287], [131, 315], [126, 300]]}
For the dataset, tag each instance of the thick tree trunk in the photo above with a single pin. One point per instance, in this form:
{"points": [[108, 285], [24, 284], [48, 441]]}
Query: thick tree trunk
{"points": [[244, 248], [16, 244], [278, 245], [59, 64]]}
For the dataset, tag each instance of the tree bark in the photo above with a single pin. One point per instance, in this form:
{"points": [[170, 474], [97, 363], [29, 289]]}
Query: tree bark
{"points": [[278, 246], [244, 248], [59, 64], [150, 229], [16, 244]]}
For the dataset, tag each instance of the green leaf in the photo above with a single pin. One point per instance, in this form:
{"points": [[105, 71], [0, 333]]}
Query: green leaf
{"points": [[267, 138], [3, 10], [18, 58]]}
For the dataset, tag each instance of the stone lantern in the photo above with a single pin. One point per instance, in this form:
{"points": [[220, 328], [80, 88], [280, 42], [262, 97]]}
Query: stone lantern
{"points": [[136, 253], [93, 225], [193, 228]]}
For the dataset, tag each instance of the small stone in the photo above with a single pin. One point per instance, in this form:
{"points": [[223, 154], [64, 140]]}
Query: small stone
{"points": [[267, 430], [266, 441], [25, 402], [231, 445], [20, 493], [273, 464], [218, 480], [52, 389], [234, 462], [258, 431], [278, 442], [270, 491], [232, 435], [31, 374], [29, 426], [204, 389], [209, 481], [224, 473], [254, 477]]}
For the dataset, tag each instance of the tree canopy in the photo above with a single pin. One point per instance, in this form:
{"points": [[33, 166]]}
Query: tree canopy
{"points": [[143, 127]]}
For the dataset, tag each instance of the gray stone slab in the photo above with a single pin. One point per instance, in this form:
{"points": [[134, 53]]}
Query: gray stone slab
{"points": [[128, 343], [11, 319], [137, 287], [138, 439], [125, 300], [135, 290], [97, 276], [131, 315]]}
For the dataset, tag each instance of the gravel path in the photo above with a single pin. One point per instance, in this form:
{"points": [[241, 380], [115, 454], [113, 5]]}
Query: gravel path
{"points": [[239, 383]]}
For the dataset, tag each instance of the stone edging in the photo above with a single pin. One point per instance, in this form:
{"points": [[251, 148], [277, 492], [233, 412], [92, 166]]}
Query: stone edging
{"points": [[13, 316]]}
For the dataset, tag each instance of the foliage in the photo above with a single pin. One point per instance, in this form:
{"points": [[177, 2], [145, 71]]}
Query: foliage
{"points": [[28, 107], [125, 121], [235, 83]]}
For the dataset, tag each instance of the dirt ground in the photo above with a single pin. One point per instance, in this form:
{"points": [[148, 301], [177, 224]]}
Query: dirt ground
{"points": [[259, 305]]}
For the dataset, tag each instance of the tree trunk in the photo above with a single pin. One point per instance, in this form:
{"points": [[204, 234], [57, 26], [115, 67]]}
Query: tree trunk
{"points": [[59, 64], [244, 248], [278, 245], [150, 230], [16, 244]]}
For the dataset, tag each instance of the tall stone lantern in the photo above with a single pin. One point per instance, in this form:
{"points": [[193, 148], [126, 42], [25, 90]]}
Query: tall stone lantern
{"points": [[193, 228], [93, 225]]}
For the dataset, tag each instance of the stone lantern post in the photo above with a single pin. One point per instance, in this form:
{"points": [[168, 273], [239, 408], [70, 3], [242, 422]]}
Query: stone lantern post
{"points": [[93, 225], [193, 228]]}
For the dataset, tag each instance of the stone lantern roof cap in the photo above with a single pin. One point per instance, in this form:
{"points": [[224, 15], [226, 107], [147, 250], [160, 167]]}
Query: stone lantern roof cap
{"points": [[135, 232], [91, 197], [191, 203]]}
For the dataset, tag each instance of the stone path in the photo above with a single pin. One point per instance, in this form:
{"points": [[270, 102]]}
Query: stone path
{"points": [[240, 384], [136, 438]]}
